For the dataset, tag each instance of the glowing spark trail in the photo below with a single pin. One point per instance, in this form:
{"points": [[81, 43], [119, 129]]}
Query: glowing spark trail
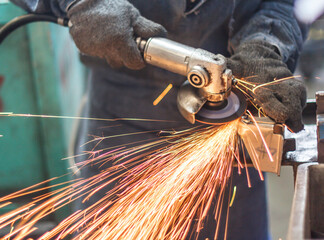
{"points": [[163, 193], [233, 197], [164, 188], [11, 114], [249, 89], [162, 95]]}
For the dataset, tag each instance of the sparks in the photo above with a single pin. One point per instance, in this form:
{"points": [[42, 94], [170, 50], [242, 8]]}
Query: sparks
{"points": [[162, 95], [11, 114], [263, 140], [165, 187], [164, 194], [275, 81], [233, 197]]}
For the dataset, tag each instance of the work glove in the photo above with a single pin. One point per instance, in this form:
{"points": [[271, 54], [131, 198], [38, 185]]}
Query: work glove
{"points": [[282, 101], [107, 29]]}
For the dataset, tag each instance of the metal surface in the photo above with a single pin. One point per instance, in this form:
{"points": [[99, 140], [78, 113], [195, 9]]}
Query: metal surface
{"points": [[189, 101], [249, 132], [299, 225], [316, 200], [198, 77], [320, 125], [305, 141], [306, 146], [205, 71], [307, 214], [299, 148]]}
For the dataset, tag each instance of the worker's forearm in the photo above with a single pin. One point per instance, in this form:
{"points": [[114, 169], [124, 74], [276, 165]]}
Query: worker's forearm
{"points": [[53, 7], [275, 23]]}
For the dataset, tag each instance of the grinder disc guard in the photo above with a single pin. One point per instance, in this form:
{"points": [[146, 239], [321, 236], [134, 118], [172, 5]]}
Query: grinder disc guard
{"points": [[231, 109]]}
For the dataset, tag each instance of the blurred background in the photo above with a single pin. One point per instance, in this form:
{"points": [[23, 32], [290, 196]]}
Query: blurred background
{"points": [[31, 147]]}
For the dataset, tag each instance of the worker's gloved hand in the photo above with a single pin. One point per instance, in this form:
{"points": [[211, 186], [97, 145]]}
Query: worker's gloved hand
{"points": [[282, 101], [107, 29]]}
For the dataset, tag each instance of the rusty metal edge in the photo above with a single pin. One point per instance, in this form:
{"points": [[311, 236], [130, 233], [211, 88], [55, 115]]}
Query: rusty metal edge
{"points": [[299, 225]]}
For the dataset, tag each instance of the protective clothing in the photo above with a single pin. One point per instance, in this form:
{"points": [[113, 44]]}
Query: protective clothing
{"points": [[107, 29], [259, 62], [219, 26]]}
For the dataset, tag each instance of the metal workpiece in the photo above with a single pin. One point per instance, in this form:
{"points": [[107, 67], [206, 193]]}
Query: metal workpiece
{"points": [[299, 225], [305, 142], [251, 135], [320, 125], [306, 147], [320, 137], [307, 213], [320, 102]]}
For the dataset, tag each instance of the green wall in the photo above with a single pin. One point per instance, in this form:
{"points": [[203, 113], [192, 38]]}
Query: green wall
{"points": [[40, 73]]}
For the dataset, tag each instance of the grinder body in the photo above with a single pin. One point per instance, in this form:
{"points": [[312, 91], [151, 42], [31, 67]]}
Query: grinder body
{"points": [[209, 81]]}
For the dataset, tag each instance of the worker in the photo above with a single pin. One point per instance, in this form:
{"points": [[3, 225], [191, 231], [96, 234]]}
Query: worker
{"points": [[262, 40]]}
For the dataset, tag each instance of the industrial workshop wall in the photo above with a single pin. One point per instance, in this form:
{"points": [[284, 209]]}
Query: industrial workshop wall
{"points": [[40, 73]]}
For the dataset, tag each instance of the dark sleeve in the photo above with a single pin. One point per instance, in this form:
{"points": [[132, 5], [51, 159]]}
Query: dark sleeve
{"points": [[275, 23], [53, 7]]}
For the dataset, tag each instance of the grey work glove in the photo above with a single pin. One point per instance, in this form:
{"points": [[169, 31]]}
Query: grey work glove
{"points": [[107, 29], [283, 101]]}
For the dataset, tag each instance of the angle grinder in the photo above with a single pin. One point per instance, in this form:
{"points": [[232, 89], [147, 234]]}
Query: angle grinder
{"points": [[209, 95]]}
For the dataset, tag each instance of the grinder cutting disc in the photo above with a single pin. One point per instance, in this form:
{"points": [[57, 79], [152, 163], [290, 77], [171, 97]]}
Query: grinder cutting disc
{"points": [[232, 108]]}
